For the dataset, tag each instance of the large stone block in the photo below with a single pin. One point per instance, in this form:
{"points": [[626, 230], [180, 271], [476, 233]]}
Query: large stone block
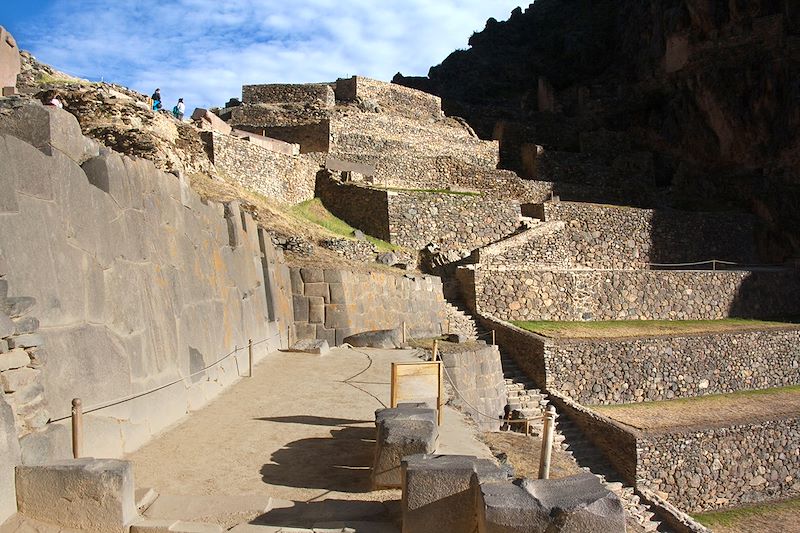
{"points": [[300, 308], [9, 459], [438, 493], [207, 120], [396, 439], [573, 504], [93, 495], [10, 62], [107, 172], [49, 129]]}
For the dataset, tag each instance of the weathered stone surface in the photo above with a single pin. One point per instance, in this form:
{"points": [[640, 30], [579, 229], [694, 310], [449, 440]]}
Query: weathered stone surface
{"points": [[208, 120], [16, 358], [507, 508], [7, 327], [52, 443], [385, 338], [316, 347], [10, 63], [18, 306], [94, 495], [397, 438], [107, 172], [417, 411], [28, 340], [437, 491], [578, 503], [9, 459], [49, 129], [28, 324], [18, 379]]}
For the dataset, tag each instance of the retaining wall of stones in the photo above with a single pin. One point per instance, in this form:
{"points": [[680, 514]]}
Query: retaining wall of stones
{"points": [[390, 97], [318, 93], [454, 221], [332, 304], [414, 219], [527, 294], [475, 371], [616, 237], [286, 178], [137, 283], [612, 371], [361, 207], [703, 469]]}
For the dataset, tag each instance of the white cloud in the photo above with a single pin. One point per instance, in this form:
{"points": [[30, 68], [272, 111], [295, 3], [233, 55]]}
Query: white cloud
{"points": [[204, 50]]}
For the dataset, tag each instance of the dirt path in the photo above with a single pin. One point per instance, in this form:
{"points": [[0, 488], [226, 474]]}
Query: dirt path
{"points": [[301, 429]]}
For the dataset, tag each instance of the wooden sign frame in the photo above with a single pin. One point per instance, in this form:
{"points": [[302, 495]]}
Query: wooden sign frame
{"points": [[430, 370]]}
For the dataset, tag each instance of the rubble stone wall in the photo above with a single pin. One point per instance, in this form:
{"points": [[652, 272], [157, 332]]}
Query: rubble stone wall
{"points": [[319, 93], [361, 207], [702, 469], [527, 294], [286, 178], [332, 304], [455, 221], [619, 237], [137, 283], [474, 370], [390, 97]]}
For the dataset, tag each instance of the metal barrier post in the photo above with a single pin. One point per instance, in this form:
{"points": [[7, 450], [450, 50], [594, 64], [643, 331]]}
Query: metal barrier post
{"points": [[547, 442], [250, 357], [77, 428]]}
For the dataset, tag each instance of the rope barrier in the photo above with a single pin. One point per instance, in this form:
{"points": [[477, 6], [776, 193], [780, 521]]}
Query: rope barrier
{"points": [[134, 396], [712, 261]]}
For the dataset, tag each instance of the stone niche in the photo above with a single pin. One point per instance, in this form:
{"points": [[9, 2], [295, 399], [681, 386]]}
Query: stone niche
{"points": [[10, 63]]}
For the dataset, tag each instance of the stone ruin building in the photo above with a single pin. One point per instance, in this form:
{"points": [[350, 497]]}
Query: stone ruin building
{"points": [[488, 235]]}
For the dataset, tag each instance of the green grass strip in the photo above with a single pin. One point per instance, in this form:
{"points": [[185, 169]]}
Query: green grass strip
{"points": [[731, 517]]}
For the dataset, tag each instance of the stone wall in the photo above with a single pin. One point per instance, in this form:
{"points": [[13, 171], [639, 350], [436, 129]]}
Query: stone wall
{"points": [[332, 304], [474, 371], [361, 207], [414, 219], [10, 63], [615, 371], [711, 468], [137, 284], [527, 294], [317, 93], [618, 237], [286, 178], [390, 97], [612, 371], [454, 221]]}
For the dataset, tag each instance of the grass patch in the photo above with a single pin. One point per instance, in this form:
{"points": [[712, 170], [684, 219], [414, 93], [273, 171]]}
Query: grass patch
{"points": [[429, 191], [47, 79], [643, 328], [732, 517], [313, 211]]}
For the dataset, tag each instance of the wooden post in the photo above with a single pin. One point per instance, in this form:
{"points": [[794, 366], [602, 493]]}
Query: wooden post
{"points": [[288, 335], [547, 442], [250, 357], [494, 338], [77, 428], [404, 332], [435, 349], [448, 326]]}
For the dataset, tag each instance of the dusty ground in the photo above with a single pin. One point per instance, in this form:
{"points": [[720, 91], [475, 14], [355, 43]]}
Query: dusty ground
{"points": [[301, 429], [524, 452], [708, 410]]}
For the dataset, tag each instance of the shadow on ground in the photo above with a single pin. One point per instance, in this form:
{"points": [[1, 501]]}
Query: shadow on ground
{"points": [[341, 462], [305, 514], [312, 420]]}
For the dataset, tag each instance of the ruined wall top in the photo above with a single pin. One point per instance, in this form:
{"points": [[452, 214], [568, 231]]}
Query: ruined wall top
{"points": [[390, 97], [10, 63], [320, 93]]}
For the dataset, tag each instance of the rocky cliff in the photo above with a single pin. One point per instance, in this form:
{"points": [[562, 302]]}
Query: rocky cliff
{"points": [[705, 92]]}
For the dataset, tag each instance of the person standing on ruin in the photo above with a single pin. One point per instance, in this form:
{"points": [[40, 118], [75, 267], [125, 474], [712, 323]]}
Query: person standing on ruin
{"points": [[156, 99], [179, 109]]}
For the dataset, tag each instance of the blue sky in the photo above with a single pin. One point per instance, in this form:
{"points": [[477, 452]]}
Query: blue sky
{"points": [[205, 50]]}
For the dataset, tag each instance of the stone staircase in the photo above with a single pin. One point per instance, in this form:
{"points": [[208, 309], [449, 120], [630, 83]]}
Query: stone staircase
{"points": [[460, 320], [531, 403]]}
